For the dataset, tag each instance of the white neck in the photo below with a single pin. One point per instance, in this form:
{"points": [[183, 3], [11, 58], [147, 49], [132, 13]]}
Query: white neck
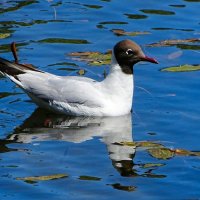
{"points": [[118, 77], [119, 84]]}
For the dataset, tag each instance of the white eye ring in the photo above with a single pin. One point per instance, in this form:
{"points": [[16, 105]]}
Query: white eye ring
{"points": [[129, 52]]}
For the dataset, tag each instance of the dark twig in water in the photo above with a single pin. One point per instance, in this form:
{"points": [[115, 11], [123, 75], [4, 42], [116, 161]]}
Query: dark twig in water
{"points": [[14, 52]]}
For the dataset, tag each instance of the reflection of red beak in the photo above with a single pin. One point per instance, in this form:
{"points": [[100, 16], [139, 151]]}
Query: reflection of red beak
{"points": [[148, 59]]}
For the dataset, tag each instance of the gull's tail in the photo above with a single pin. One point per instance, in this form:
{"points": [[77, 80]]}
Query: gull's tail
{"points": [[13, 69]]}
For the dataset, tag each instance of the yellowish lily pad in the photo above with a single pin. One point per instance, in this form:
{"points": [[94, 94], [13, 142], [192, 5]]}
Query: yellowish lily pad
{"points": [[184, 152], [161, 153], [182, 68], [152, 165], [118, 186], [158, 151], [89, 178], [4, 35], [93, 58], [121, 32], [42, 178], [173, 42], [81, 72], [148, 144]]}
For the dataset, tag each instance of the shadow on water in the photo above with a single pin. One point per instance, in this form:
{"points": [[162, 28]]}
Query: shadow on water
{"points": [[44, 126]]}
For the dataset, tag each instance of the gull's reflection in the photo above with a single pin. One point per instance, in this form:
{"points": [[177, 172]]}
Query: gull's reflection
{"points": [[42, 126]]}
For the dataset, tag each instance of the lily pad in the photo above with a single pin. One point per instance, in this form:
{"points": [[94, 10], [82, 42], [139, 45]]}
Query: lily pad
{"points": [[93, 58], [158, 12], [161, 153], [93, 6], [64, 64], [64, 41], [181, 68], [152, 165], [136, 16], [4, 35], [148, 144], [184, 152], [89, 178], [173, 42], [42, 178], [81, 72], [118, 186], [131, 144], [120, 32]]}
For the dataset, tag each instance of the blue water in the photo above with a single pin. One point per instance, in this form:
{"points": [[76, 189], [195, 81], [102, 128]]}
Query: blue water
{"points": [[166, 105]]}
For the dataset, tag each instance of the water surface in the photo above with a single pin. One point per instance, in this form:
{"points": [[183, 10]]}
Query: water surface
{"points": [[91, 152]]}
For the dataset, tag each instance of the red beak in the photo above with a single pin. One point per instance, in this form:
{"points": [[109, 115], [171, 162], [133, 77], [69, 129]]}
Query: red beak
{"points": [[148, 59]]}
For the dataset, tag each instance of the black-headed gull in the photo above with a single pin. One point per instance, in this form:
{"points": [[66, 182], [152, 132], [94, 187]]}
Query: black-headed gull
{"points": [[81, 96]]}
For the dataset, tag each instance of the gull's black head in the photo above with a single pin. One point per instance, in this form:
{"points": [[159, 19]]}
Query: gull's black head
{"points": [[128, 53]]}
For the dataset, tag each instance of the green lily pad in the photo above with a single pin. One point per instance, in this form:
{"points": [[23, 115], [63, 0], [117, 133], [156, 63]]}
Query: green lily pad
{"points": [[64, 41], [120, 32], [131, 144], [152, 165], [93, 58], [184, 152], [81, 72], [181, 68], [157, 12], [148, 144], [136, 16], [161, 153], [173, 42], [42, 178], [63, 64], [89, 178], [4, 35], [118, 186], [93, 6]]}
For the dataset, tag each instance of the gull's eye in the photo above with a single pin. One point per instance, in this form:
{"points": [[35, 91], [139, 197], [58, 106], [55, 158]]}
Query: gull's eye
{"points": [[129, 52]]}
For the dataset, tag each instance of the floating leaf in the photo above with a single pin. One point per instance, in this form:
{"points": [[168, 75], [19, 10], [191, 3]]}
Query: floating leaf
{"points": [[4, 35], [132, 144], [181, 68], [148, 144], [184, 152], [118, 186], [157, 12], [188, 46], [152, 165], [177, 29], [63, 64], [178, 5], [121, 32], [173, 42], [131, 16], [64, 41], [93, 6], [42, 178], [113, 22], [150, 175], [81, 72], [89, 178], [67, 69], [161, 153], [93, 58]]}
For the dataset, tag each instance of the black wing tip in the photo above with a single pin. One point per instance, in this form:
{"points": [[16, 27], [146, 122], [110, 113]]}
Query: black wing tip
{"points": [[9, 68]]}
